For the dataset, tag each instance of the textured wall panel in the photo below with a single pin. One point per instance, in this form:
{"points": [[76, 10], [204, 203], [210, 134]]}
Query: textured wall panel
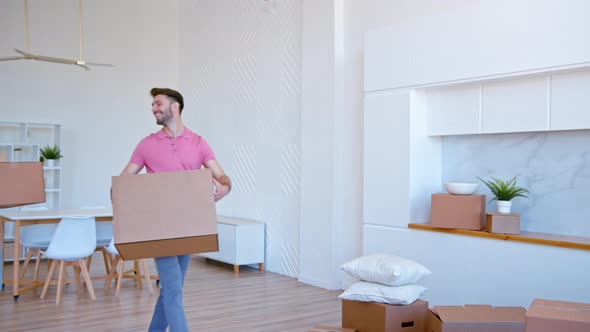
{"points": [[240, 72]]}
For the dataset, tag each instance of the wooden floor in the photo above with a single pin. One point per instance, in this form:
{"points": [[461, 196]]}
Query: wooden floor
{"points": [[214, 299]]}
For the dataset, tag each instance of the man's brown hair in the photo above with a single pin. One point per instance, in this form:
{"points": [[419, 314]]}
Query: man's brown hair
{"points": [[171, 94]]}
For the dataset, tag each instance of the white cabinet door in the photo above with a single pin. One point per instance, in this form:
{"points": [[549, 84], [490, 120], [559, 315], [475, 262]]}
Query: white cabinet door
{"points": [[386, 58], [241, 241], [476, 40], [570, 101], [453, 110], [386, 159], [515, 105]]}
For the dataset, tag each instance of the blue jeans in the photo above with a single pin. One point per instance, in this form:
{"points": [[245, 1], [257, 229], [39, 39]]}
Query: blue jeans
{"points": [[169, 308]]}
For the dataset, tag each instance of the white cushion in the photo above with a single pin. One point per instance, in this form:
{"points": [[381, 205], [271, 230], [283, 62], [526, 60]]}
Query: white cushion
{"points": [[386, 269], [372, 292]]}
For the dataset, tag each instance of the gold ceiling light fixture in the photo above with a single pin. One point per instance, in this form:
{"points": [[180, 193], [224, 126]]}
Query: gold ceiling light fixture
{"points": [[30, 56]]}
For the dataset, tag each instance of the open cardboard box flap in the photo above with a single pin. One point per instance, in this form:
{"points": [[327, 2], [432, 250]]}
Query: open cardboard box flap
{"points": [[560, 310], [479, 313]]}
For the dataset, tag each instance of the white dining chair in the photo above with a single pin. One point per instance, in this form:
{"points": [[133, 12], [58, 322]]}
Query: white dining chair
{"points": [[120, 273], [73, 241], [34, 239], [104, 235]]}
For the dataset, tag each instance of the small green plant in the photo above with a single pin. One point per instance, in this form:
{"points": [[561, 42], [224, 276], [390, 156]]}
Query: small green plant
{"points": [[50, 152], [504, 191]]}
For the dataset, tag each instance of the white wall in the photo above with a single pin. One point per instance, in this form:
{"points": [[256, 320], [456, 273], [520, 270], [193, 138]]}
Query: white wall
{"points": [[104, 112], [240, 72]]}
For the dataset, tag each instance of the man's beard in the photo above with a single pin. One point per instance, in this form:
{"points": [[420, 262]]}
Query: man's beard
{"points": [[166, 116]]}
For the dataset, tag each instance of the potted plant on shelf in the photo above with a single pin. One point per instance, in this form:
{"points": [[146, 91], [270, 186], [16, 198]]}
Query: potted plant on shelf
{"points": [[49, 154], [504, 192]]}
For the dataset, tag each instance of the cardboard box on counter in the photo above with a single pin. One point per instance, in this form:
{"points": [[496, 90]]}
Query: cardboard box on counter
{"points": [[21, 183], [475, 318], [504, 223], [164, 214], [380, 317], [319, 328], [458, 211], [550, 316]]}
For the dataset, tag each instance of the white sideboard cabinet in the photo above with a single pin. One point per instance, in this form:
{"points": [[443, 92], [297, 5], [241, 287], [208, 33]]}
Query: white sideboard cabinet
{"points": [[241, 242]]}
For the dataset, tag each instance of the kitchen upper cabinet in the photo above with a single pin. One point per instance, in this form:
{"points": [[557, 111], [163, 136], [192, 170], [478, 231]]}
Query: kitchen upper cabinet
{"points": [[475, 41], [453, 110], [570, 101], [515, 106]]}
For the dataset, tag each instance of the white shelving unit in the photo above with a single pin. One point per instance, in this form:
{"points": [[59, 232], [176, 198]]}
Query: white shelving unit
{"points": [[241, 242], [21, 141]]}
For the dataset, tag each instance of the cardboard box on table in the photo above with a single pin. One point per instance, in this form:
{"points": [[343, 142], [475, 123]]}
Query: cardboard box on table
{"points": [[380, 317], [458, 211], [503, 223], [549, 316], [475, 318], [21, 183], [164, 214]]}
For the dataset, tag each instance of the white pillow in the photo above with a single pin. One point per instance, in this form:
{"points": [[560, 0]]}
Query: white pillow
{"points": [[386, 269], [372, 292]]}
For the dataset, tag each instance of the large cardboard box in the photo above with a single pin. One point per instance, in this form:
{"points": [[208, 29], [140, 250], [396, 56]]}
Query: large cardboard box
{"points": [[475, 318], [164, 214], [380, 317], [503, 223], [320, 328], [21, 183], [458, 211], [550, 316]]}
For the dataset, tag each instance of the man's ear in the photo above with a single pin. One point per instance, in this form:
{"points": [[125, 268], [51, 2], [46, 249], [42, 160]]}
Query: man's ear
{"points": [[176, 107]]}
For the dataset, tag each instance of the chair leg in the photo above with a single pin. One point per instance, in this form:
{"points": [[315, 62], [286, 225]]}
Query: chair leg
{"points": [[26, 263], [105, 258], [49, 276], [86, 275], [120, 276], [146, 274], [111, 275], [89, 261], [37, 264], [137, 270], [77, 276], [60, 281]]}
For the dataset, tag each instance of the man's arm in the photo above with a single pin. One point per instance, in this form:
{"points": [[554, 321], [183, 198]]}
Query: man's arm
{"points": [[222, 181], [131, 168]]}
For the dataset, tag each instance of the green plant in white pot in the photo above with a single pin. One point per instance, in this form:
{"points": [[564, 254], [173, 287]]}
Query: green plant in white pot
{"points": [[49, 154], [504, 192]]}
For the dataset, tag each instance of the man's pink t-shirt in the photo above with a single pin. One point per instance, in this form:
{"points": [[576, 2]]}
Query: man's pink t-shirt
{"points": [[159, 152]]}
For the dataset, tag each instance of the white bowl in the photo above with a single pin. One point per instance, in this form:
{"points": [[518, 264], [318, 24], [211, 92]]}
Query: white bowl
{"points": [[461, 188]]}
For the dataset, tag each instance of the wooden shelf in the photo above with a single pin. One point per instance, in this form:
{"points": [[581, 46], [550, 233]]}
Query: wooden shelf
{"points": [[547, 239]]}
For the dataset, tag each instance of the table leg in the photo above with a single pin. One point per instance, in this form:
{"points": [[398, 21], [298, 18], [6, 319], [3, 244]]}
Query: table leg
{"points": [[16, 261], [2, 223]]}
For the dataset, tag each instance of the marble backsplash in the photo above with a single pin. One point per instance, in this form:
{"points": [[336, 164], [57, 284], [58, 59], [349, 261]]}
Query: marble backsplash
{"points": [[553, 166]]}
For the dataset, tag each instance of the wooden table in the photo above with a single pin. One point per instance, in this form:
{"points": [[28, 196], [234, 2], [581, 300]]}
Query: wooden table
{"points": [[23, 218]]}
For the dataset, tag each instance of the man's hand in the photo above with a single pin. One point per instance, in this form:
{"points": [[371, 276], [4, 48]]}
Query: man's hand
{"points": [[220, 190]]}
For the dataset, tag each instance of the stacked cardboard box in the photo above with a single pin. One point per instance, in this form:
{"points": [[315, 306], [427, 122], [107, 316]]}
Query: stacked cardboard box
{"points": [[380, 317]]}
